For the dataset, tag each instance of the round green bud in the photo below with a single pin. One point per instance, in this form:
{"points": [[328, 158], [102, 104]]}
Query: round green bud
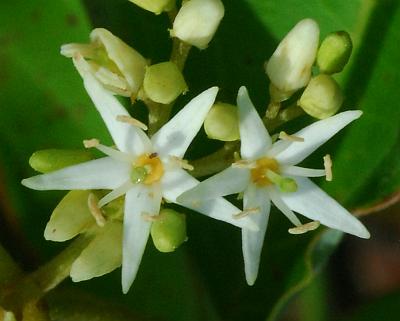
{"points": [[288, 185], [222, 122], [163, 82], [49, 160], [334, 52], [168, 230], [155, 6], [322, 97]]}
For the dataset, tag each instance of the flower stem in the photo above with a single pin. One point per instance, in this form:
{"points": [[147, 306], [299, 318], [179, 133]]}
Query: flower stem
{"points": [[289, 113]]}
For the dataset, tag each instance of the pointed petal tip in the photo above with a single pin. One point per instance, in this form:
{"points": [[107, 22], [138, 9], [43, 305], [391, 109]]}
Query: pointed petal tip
{"points": [[30, 183], [363, 232], [242, 91], [251, 279]]}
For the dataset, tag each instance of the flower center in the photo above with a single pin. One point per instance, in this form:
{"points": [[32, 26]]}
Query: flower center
{"points": [[259, 173], [147, 169]]}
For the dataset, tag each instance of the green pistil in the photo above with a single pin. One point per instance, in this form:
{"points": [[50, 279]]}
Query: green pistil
{"points": [[285, 184], [139, 174]]}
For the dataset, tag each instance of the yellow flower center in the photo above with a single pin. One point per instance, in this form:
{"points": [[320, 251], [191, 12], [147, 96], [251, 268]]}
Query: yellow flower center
{"points": [[259, 173], [147, 169]]}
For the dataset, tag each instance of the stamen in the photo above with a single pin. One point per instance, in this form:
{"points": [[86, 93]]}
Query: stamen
{"points": [[113, 153], [150, 218], [328, 167], [95, 210], [311, 226], [131, 121], [275, 198], [114, 194], [90, 143], [244, 164], [291, 138], [246, 212], [183, 163], [301, 171]]}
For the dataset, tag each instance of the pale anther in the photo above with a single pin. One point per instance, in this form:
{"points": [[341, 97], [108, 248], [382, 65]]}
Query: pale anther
{"points": [[183, 163], [246, 212], [131, 121], [244, 164], [93, 204], [149, 218], [311, 226], [328, 167], [90, 143], [291, 138]]}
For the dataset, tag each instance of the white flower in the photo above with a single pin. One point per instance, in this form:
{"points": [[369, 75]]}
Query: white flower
{"points": [[268, 173], [144, 170]]}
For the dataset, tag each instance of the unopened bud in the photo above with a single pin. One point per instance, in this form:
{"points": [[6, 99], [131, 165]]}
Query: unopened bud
{"points": [[116, 65], [163, 82], [70, 218], [168, 230], [222, 122], [334, 52], [101, 256], [155, 6], [197, 21], [49, 160], [289, 68], [322, 98]]}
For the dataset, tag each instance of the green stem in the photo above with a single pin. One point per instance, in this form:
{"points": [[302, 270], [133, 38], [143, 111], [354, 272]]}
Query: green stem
{"points": [[284, 116]]}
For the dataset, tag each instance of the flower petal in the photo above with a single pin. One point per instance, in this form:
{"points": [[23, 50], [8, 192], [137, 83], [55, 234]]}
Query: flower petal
{"points": [[102, 173], [128, 138], [253, 135], [315, 135], [252, 241], [175, 136], [314, 203], [141, 199], [230, 181], [177, 181]]}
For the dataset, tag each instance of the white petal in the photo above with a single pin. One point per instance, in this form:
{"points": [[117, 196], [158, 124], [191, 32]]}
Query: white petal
{"points": [[255, 140], [315, 135], [175, 182], [128, 138], [102, 173], [175, 136], [252, 241], [314, 203], [276, 198], [230, 181], [139, 200], [302, 171]]}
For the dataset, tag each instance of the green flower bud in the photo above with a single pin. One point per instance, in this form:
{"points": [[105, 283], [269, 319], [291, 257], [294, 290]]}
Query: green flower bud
{"points": [[197, 21], [116, 65], [7, 315], [155, 6], [222, 122], [322, 98], [101, 256], [70, 217], [334, 52], [49, 160], [163, 82], [168, 230]]}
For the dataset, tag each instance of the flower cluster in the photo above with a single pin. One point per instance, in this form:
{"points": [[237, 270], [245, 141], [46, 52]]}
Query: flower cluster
{"points": [[124, 196]]}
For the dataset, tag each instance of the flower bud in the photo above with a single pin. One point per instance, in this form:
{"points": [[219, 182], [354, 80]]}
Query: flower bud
{"points": [[168, 231], [334, 52], [155, 6], [163, 82], [49, 160], [222, 122], [322, 98], [70, 217], [289, 68], [101, 256], [197, 21], [117, 66]]}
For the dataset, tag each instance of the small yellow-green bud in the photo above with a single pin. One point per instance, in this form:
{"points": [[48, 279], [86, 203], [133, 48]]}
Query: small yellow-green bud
{"points": [[288, 185], [322, 97], [102, 255], [334, 52], [49, 160], [163, 82], [155, 6], [70, 217], [197, 21], [222, 122], [168, 230]]}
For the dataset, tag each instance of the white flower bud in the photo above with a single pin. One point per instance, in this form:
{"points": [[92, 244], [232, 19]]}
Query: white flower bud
{"points": [[155, 6], [290, 66], [116, 65], [197, 21]]}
